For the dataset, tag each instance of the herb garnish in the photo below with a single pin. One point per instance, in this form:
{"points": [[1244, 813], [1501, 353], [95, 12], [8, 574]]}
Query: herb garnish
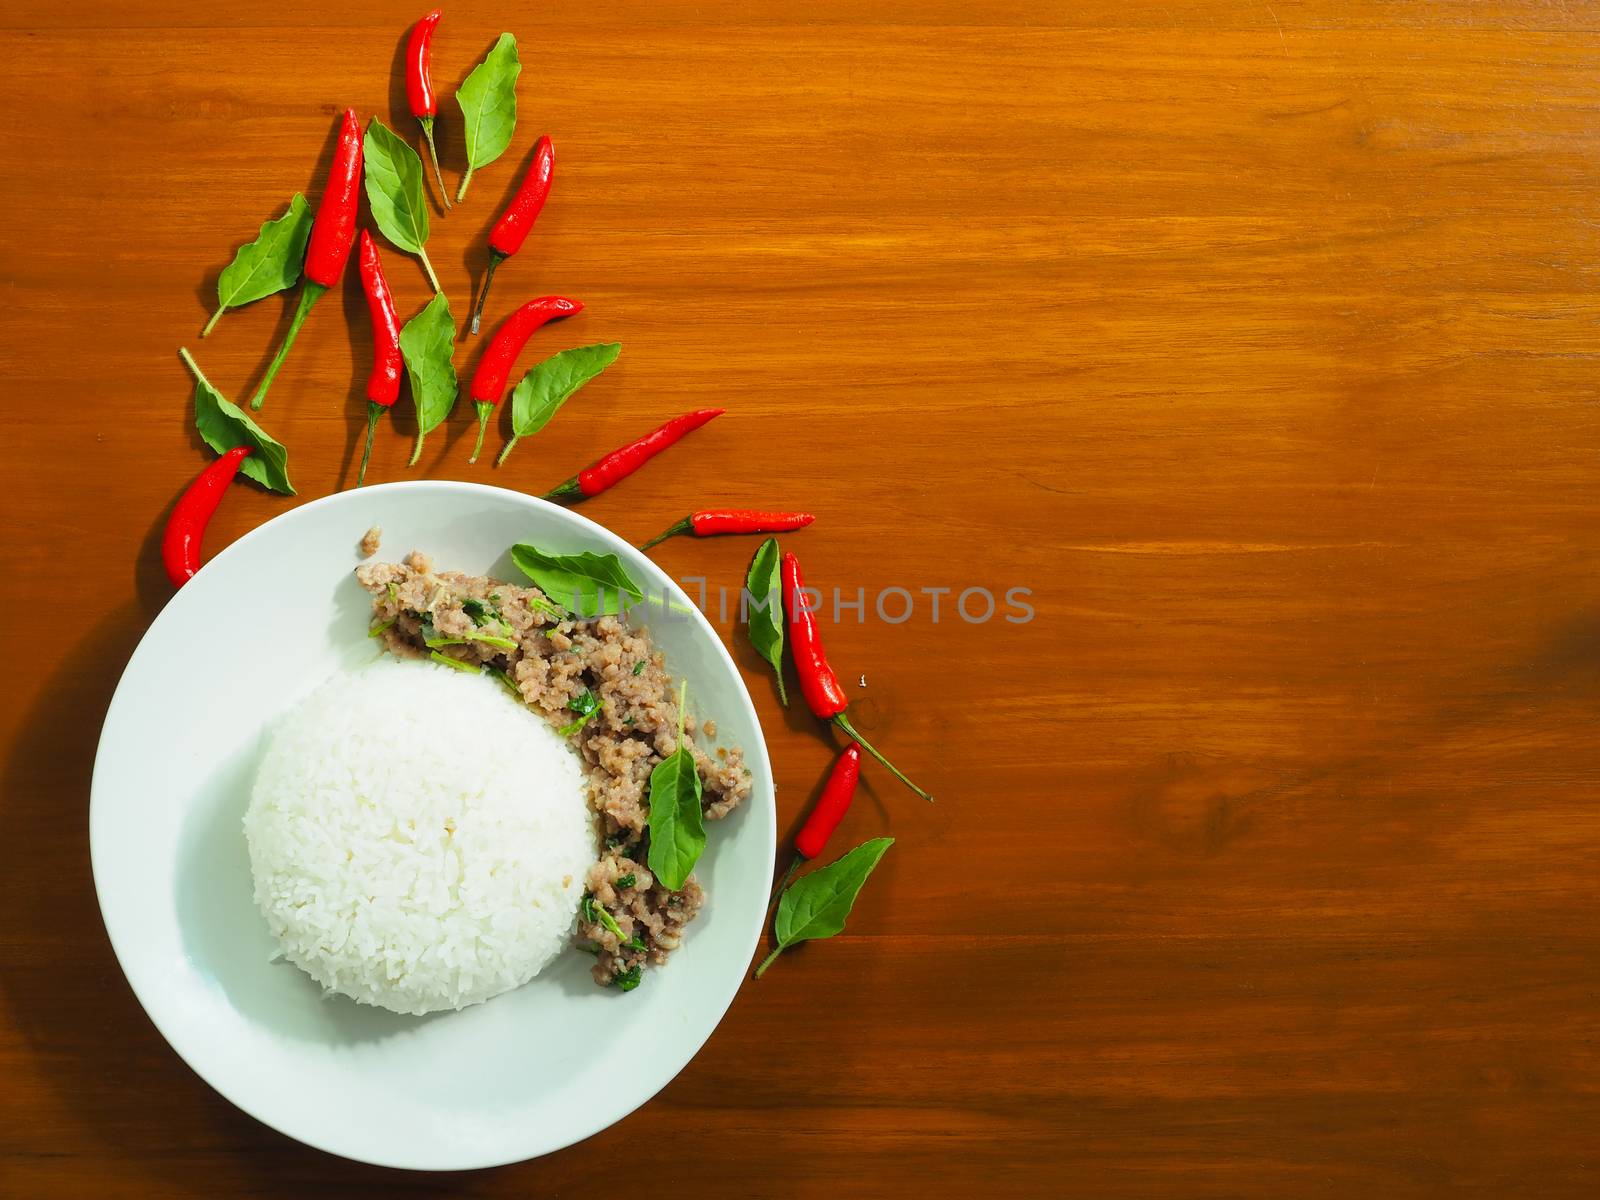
{"points": [[508, 683], [377, 630], [551, 384], [488, 101], [766, 623], [635, 943], [453, 662], [427, 342], [677, 826], [818, 903], [585, 704], [638, 667], [625, 881], [222, 425], [627, 980], [395, 195], [269, 264], [588, 584]]}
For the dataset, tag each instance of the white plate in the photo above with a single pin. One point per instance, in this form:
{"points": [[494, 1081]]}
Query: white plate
{"points": [[527, 1073]]}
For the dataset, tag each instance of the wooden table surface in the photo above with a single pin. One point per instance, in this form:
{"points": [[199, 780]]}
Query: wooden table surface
{"points": [[1257, 340]]}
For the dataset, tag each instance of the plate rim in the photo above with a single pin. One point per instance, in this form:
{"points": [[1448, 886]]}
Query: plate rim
{"points": [[534, 1148]]}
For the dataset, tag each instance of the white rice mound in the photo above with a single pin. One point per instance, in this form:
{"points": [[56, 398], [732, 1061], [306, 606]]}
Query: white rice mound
{"points": [[418, 839]]}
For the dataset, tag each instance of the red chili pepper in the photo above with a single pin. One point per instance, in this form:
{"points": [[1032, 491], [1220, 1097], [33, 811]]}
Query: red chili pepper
{"points": [[489, 382], [186, 527], [820, 686], [625, 460], [332, 234], [512, 229], [383, 385], [829, 811], [710, 522], [419, 89]]}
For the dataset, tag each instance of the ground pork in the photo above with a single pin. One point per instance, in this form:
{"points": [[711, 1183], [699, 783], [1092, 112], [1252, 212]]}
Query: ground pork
{"points": [[549, 660]]}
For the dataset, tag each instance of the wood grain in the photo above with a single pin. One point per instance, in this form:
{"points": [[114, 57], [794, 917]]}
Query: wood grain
{"points": [[1257, 340]]}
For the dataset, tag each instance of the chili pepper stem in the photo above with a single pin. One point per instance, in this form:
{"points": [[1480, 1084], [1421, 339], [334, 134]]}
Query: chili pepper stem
{"points": [[310, 293], [843, 722], [683, 526], [433, 153], [461, 192], [373, 412], [428, 267], [762, 969], [495, 259], [485, 411], [215, 317]]}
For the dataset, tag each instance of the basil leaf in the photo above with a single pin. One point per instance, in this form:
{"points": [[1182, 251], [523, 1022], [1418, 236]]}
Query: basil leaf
{"points": [[393, 175], [223, 425], [551, 384], [627, 980], [588, 584], [816, 906], [677, 828], [269, 264], [488, 101], [427, 343], [625, 881], [766, 623], [585, 704]]}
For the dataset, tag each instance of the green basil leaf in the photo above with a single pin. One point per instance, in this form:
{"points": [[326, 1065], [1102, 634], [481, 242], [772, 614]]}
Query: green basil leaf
{"points": [[764, 612], [677, 827], [393, 176], [488, 101], [817, 904], [427, 343], [395, 192], [269, 264], [223, 425], [588, 584], [627, 980], [551, 384]]}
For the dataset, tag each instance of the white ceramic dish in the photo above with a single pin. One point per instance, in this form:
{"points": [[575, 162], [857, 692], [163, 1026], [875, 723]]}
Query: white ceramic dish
{"points": [[527, 1073]]}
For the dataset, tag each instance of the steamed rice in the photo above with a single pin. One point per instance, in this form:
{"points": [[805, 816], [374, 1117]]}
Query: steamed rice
{"points": [[417, 840]]}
